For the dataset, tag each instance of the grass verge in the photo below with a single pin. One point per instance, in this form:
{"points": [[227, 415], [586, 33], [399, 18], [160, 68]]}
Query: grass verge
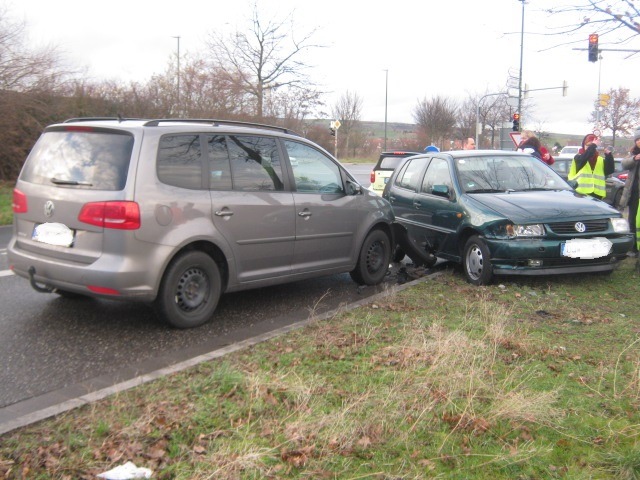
{"points": [[6, 198], [527, 379]]}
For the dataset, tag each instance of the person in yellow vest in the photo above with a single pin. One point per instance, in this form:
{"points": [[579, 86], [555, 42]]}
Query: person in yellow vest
{"points": [[589, 169]]}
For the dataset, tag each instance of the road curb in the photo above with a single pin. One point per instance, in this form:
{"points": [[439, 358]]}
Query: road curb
{"points": [[32, 410]]}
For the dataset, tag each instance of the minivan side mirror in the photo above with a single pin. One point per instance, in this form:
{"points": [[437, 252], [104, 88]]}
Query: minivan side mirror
{"points": [[353, 188]]}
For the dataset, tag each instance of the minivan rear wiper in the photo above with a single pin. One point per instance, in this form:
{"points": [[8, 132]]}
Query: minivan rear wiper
{"points": [[57, 181]]}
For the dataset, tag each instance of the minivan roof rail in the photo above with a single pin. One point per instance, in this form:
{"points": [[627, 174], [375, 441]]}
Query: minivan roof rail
{"points": [[158, 121], [93, 119], [216, 122]]}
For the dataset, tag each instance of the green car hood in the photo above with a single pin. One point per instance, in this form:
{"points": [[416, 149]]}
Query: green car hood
{"points": [[542, 206]]}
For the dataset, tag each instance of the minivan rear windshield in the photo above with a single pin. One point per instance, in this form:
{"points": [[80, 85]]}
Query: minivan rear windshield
{"points": [[97, 160], [390, 163]]}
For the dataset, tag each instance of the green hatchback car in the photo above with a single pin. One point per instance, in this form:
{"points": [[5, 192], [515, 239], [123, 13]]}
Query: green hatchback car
{"points": [[501, 213]]}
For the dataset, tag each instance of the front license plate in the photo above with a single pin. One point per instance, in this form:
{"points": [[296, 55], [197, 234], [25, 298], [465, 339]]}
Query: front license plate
{"points": [[56, 234], [586, 247]]}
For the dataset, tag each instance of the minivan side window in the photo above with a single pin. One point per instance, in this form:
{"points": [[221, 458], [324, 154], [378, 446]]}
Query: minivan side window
{"points": [[180, 161], [219, 167], [313, 171], [255, 163]]}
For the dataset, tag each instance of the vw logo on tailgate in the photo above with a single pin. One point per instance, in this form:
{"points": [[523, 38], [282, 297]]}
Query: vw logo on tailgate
{"points": [[49, 208], [580, 227]]}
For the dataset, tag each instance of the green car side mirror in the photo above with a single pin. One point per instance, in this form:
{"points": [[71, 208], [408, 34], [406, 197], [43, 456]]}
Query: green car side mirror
{"points": [[440, 190]]}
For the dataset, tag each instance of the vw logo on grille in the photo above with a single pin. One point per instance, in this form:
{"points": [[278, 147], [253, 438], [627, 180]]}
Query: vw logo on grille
{"points": [[580, 227], [49, 208]]}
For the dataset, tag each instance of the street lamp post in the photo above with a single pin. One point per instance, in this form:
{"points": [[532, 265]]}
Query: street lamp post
{"points": [[386, 96], [521, 55], [478, 112], [178, 77]]}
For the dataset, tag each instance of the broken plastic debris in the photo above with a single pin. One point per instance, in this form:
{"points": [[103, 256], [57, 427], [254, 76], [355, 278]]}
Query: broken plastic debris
{"points": [[126, 472]]}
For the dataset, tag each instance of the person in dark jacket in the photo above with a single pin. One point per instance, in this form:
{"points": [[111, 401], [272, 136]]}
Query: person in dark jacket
{"points": [[589, 169], [631, 194]]}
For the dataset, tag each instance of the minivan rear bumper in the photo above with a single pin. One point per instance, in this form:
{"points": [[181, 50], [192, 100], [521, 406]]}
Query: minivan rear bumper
{"points": [[109, 276]]}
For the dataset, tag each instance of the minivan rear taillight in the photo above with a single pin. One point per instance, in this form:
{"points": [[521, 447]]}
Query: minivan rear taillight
{"points": [[118, 215], [19, 204], [372, 177]]}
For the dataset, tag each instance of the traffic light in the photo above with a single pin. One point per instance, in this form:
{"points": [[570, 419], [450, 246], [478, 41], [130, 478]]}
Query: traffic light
{"points": [[593, 47], [516, 122]]}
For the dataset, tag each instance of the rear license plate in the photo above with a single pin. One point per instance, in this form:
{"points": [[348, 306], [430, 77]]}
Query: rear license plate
{"points": [[586, 247], [56, 234]]}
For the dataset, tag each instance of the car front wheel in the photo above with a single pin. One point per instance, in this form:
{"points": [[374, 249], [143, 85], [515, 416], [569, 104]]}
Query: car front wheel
{"points": [[189, 291], [374, 259], [476, 261]]}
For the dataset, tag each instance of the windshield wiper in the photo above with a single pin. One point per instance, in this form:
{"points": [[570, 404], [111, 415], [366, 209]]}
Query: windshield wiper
{"points": [[57, 181]]}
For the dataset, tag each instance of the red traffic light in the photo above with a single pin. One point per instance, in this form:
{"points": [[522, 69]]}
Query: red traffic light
{"points": [[516, 117], [593, 47]]}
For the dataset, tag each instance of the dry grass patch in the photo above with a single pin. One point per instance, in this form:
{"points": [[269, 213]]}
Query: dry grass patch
{"points": [[441, 379]]}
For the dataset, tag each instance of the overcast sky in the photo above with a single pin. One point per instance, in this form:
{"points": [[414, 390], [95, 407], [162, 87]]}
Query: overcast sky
{"points": [[432, 48]]}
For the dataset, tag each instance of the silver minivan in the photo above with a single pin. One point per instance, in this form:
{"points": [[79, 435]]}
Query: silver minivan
{"points": [[177, 212]]}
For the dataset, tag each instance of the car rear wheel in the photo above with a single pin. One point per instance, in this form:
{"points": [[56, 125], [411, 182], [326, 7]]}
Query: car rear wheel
{"points": [[476, 261], [189, 291], [374, 259]]}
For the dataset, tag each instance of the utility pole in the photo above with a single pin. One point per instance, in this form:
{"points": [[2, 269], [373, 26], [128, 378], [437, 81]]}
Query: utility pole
{"points": [[178, 80], [478, 113], [521, 55], [386, 95]]}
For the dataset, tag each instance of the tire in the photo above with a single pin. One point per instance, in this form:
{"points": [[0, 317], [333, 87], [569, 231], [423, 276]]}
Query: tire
{"points": [[189, 291], [476, 261], [373, 260]]}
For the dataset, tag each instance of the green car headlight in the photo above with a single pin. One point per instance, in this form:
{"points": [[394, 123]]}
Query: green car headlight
{"points": [[534, 230], [620, 225]]}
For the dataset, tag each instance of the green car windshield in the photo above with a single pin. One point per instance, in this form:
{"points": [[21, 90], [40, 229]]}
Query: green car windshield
{"points": [[487, 174]]}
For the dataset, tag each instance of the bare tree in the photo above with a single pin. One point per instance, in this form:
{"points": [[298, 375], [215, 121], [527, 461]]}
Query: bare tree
{"points": [[620, 114], [348, 109], [616, 20], [436, 120], [466, 118], [266, 58], [493, 115], [29, 80]]}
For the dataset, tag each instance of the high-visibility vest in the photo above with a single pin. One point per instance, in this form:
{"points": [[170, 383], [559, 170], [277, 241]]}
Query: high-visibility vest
{"points": [[638, 229], [590, 181]]}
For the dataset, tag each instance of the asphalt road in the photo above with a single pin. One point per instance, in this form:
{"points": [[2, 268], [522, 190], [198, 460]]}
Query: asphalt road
{"points": [[49, 344]]}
